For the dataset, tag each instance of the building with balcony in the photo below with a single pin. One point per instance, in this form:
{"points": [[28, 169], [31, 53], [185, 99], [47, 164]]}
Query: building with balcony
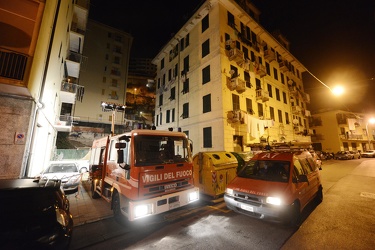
{"points": [[228, 83], [106, 74], [40, 60], [337, 130]]}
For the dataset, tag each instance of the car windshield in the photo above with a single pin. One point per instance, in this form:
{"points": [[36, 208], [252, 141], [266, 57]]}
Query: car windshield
{"points": [[62, 168], [160, 150], [266, 170]]}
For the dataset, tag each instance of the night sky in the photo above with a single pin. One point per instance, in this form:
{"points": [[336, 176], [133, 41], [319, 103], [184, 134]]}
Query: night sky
{"points": [[333, 39]]}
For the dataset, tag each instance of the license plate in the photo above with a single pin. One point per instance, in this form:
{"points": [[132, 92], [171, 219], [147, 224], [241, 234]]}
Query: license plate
{"points": [[174, 205], [247, 207]]}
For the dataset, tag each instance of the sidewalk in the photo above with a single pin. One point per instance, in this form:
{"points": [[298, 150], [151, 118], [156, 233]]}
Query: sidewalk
{"points": [[85, 209]]}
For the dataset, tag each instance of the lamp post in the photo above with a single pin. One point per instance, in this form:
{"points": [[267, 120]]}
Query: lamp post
{"points": [[371, 121]]}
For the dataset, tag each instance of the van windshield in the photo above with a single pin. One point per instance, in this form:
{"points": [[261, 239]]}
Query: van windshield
{"points": [[266, 170], [151, 150]]}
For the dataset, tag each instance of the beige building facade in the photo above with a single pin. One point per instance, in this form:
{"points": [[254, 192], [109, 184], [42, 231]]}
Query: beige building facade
{"points": [[105, 73], [338, 130], [228, 83]]}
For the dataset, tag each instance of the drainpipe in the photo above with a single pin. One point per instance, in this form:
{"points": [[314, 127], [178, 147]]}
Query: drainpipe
{"points": [[38, 103]]}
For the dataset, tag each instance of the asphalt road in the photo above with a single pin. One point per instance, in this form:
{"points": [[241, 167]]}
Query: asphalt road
{"points": [[344, 220]]}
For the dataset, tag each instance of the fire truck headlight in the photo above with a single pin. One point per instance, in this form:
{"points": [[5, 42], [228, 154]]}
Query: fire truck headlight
{"points": [[142, 210], [229, 191], [274, 201], [193, 196]]}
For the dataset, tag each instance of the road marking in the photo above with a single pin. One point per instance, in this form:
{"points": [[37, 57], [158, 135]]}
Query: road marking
{"points": [[368, 195]]}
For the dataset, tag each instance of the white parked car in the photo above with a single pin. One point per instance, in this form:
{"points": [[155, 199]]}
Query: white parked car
{"points": [[67, 172], [368, 153]]}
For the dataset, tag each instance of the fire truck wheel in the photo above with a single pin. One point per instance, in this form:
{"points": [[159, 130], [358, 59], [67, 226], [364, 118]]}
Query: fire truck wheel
{"points": [[116, 205], [94, 194]]}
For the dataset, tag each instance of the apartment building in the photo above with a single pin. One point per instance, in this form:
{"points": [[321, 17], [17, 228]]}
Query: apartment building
{"points": [[39, 79], [105, 74], [338, 130], [228, 83]]}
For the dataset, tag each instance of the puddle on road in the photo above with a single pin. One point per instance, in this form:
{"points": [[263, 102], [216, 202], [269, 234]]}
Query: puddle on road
{"points": [[368, 195]]}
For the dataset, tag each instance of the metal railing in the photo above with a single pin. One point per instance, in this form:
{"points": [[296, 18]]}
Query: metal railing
{"points": [[13, 65]]}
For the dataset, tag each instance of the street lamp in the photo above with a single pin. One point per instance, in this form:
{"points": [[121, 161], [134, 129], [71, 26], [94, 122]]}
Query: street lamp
{"points": [[371, 121]]}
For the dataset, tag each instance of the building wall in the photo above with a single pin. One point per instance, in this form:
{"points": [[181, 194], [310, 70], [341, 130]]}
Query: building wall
{"points": [[96, 74], [226, 134], [342, 130]]}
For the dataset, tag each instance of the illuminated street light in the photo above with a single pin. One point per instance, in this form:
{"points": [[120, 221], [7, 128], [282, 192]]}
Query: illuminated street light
{"points": [[371, 121], [338, 90]]}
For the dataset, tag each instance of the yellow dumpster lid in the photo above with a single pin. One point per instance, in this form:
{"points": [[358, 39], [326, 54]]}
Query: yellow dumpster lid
{"points": [[221, 158]]}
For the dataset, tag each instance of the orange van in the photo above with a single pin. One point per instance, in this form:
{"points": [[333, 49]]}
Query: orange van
{"points": [[275, 186]]}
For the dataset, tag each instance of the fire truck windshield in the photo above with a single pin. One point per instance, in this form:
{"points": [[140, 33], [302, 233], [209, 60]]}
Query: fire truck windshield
{"points": [[160, 150]]}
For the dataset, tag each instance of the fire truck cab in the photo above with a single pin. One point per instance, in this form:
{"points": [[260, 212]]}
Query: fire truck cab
{"points": [[143, 172]]}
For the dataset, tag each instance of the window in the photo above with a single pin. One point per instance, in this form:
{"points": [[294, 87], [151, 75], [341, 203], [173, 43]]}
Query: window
{"points": [[207, 137], [206, 75], [206, 48], [260, 110], [245, 52], [272, 113], [162, 64], [185, 110], [182, 44], [157, 120], [282, 78], [185, 88], [173, 93], [275, 74], [269, 88], [247, 79], [186, 64], [173, 112], [249, 106], [287, 118], [280, 114], [231, 20], [277, 94], [168, 116], [284, 98], [205, 23], [268, 69], [169, 74], [257, 84], [161, 100], [187, 40], [207, 103], [235, 102], [161, 118]]}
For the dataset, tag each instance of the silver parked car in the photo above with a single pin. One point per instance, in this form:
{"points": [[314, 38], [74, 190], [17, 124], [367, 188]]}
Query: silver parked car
{"points": [[343, 155], [368, 154], [67, 172], [356, 154]]}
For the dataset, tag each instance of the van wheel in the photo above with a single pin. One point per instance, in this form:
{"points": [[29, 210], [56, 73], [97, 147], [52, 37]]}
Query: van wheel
{"points": [[94, 194], [295, 215], [319, 195]]}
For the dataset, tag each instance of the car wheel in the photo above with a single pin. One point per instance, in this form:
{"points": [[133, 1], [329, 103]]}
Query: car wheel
{"points": [[94, 194], [319, 195], [293, 217]]}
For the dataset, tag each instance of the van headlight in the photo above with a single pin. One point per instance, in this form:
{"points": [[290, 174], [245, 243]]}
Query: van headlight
{"points": [[142, 210], [193, 196], [229, 191], [273, 201]]}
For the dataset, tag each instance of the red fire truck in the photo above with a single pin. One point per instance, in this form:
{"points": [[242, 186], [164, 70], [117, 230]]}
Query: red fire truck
{"points": [[143, 172]]}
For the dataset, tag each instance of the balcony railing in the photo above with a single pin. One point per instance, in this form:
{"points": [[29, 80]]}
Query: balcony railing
{"points": [[13, 65]]}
